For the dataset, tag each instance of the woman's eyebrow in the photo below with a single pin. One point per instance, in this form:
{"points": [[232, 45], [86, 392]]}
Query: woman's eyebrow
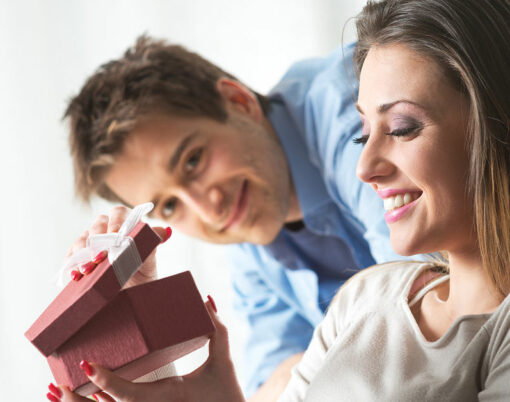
{"points": [[387, 106]]}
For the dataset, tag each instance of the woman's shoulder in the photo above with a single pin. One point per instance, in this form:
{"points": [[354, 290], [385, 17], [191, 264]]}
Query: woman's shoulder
{"points": [[389, 276], [380, 284]]}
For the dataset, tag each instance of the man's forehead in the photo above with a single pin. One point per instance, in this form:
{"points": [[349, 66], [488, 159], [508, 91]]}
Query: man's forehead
{"points": [[137, 173], [150, 134]]}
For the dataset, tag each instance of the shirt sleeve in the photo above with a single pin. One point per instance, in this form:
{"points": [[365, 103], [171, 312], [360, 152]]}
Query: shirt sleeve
{"points": [[276, 330], [496, 387], [323, 339]]}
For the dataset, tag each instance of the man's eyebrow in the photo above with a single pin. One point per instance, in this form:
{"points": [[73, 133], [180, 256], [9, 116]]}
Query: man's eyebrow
{"points": [[174, 160]]}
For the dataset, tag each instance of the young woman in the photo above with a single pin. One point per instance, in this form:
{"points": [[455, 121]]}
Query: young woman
{"points": [[435, 105]]}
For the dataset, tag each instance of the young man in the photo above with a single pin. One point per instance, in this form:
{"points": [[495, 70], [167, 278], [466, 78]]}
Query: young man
{"points": [[273, 176]]}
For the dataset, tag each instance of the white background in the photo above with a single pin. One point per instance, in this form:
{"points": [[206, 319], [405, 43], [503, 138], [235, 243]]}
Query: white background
{"points": [[47, 49]]}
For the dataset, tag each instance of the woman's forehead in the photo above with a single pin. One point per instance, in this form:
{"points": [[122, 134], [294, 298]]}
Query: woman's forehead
{"points": [[395, 72]]}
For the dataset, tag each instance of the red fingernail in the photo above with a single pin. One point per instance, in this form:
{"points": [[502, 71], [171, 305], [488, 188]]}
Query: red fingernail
{"points": [[100, 257], [213, 304], [52, 397], [168, 231], [86, 367], [95, 397], [87, 268], [75, 275], [55, 390]]}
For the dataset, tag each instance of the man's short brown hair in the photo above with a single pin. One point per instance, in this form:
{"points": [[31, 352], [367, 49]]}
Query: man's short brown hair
{"points": [[152, 77]]}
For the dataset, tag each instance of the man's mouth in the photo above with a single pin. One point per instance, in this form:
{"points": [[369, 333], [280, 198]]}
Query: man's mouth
{"points": [[400, 200], [238, 207]]}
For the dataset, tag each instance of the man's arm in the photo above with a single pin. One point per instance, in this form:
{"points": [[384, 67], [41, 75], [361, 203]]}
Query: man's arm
{"points": [[274, 386], [277, 331]]}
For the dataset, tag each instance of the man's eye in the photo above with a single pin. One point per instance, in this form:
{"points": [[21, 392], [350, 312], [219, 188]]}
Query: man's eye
{"points": [[168, 208], [193, 161]]}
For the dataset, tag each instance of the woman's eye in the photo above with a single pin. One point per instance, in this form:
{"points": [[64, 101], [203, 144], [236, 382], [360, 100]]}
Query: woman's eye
{"points": [[361, 140], [193, 160], [168, 208], [402, 132]]}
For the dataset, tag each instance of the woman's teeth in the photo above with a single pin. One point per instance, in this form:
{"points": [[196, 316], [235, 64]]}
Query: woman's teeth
{"points": [[399, 201]]}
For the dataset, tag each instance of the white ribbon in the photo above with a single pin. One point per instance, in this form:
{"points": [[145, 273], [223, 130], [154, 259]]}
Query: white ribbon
{"points": [[122, 251]]}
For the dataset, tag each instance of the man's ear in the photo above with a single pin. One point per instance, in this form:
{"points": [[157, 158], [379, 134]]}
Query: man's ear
{"points": [[237, 97]]}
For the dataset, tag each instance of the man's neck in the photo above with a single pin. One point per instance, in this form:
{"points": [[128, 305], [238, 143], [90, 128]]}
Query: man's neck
{"points": [[294, 213]]}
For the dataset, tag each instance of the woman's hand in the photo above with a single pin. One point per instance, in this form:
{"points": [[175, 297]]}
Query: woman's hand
{"points": [[112, 223], [214, 381]]}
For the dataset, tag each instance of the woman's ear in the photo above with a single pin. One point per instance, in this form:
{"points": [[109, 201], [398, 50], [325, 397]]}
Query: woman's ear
{"points": [[239, 98]]}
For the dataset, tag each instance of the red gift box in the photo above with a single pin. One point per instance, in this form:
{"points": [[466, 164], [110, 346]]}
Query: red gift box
{"points": [[132, 331]]}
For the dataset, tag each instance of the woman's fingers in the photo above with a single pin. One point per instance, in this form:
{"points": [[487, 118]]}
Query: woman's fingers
{"points": [[218, 345], [103, 397], [216, 379], [110, 382], [117, 217], [164, 233], [99, 226], [69, 396], [78, 244]]}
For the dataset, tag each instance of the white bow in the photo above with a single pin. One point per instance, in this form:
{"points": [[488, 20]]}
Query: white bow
{"points": [[115, 244]]}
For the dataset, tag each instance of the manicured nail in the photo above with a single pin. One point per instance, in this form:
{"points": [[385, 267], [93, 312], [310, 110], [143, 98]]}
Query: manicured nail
{"points": [[168, 231], [100, 257], [55, 390], [87, 268], [213, 304], [52, 397], [86, 367], [76, 275], [95, 397]]}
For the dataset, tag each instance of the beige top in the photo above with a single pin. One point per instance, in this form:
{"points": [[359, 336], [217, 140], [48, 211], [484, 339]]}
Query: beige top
{"points": [[370, 348]]}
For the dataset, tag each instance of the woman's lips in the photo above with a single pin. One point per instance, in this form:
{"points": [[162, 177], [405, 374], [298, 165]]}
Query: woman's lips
{"points": [[397, 201], [397, 213], [238, 208]]}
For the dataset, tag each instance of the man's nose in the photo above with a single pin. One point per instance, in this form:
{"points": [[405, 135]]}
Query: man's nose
{"points": [[373, 164], [207, 203]]}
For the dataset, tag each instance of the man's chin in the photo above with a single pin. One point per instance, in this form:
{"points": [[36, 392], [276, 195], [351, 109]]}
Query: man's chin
{"points": [[255, 234], [258, 237], [264, 236]]}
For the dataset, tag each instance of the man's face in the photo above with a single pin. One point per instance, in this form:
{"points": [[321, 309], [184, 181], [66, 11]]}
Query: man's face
{"points": [[221, 182]]}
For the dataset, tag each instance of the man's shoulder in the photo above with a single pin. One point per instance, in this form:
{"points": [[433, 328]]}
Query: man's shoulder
{"points": [[334, 68], [314, 109]]}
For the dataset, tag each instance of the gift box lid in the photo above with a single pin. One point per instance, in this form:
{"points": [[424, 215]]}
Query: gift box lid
{"points": [[81, 300]]}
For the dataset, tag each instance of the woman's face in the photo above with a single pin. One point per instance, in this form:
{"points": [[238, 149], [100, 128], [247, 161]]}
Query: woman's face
{"points": [[415, 156]]}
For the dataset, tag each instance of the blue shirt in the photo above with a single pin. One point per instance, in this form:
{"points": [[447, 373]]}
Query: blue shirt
{"points": [[283, 289]]}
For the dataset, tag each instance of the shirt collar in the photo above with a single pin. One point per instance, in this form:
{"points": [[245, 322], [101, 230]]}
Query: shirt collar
{"points": [[308, 181]]}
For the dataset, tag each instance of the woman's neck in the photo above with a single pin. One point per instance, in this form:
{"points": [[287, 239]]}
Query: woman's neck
{"points": [[470, 290]]}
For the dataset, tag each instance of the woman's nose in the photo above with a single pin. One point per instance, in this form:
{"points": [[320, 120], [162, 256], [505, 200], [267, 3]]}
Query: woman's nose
{"points": [[374, 164]]}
